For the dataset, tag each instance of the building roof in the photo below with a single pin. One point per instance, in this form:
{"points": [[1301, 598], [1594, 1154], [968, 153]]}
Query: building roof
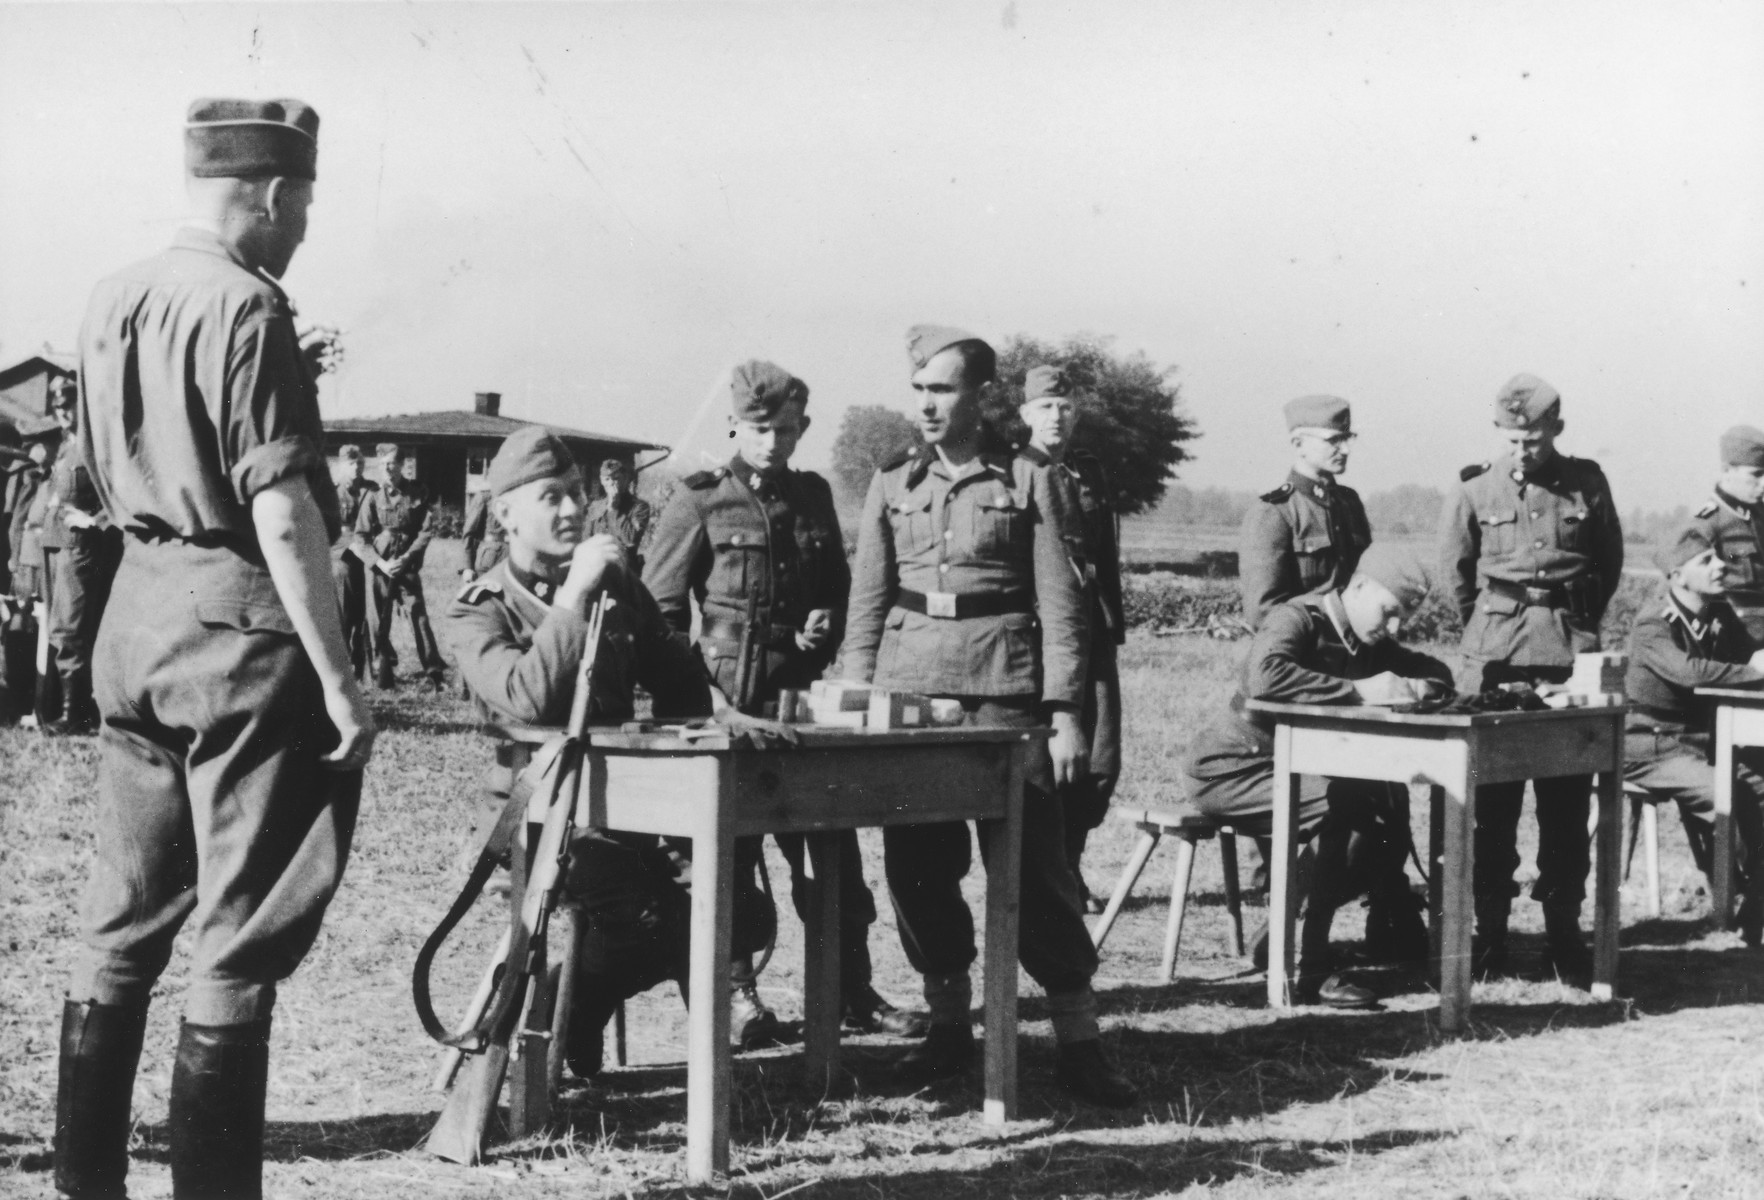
{"points": [[37, 364], [462, 424]]}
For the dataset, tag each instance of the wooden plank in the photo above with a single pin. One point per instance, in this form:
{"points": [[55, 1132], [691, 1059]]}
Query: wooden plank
{"points": [[1148, 841], [1457, 911], [1510, 753], [821, 1000], [1411, 756], [1728, 722], [1608, 881], [1178, 908], [1003, 882], [807, 790], [641, 793], [707, 1053], [1282, 895]]}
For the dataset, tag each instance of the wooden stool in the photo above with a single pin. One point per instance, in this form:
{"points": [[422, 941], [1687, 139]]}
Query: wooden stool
{"points": [[1189, 827]]}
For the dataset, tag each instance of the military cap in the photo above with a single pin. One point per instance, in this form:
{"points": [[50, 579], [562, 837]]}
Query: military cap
{"points": [[1319, 412], [529, 453], [1680, 548], [757, 390], [1047, 380], [249, 139], [1398, 569], [387, 448], [1525, 401], [926, 342], [350, 453], [1742, 446]]}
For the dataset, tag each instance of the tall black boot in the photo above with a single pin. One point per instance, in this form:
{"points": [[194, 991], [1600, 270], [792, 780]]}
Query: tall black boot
{"points": [[1488, 949], [100, 1048], [216, 1122], [1567, 945]]}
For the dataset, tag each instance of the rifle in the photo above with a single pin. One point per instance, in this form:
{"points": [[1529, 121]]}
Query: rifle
{"points": [[519, 1003]]}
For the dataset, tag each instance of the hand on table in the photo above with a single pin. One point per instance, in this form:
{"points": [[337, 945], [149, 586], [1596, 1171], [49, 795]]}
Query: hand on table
{"points": [[1384, 689]]}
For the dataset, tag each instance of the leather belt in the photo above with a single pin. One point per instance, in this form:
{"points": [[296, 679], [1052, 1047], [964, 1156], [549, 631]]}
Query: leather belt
{"points": [[725, 630], [1549, 596], [958, 606]]}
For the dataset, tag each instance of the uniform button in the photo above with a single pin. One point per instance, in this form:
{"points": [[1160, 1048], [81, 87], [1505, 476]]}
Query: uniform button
{"points": [[943, 567], [1535, 516], [1538, 543], [948, 533]]}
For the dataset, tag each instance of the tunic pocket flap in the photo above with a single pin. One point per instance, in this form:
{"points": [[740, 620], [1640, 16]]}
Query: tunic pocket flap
{"points": [[1001, 501], [1488, 602], [1499, 518], [1315, 544], [244, 616], [912, 503]]}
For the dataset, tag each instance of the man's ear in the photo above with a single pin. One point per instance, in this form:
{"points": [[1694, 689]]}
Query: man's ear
{"points": [[806, 422], [272, 197]]}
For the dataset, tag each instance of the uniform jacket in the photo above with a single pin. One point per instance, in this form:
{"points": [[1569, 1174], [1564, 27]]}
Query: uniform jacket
{"points": [[350, 495], [70, 486], [520, 654], [1091, 510], [485, 542], [27, 527], [629, 522], [996, 529], [1305, 536], [1736, 531], [398, 519], [1671, 654], [194, 396], [1556, 531]]}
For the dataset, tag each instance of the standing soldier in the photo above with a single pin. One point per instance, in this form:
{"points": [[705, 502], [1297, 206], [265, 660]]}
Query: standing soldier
{"points": [[1732, 521], [758, 546], [34, 548], [15, 463], [486, 543], [392, 531], [619, 512], [1050, 411], [1532, 550], [234, 733], [1306, 535], [347, 567], [89, 553], [964, 588]]}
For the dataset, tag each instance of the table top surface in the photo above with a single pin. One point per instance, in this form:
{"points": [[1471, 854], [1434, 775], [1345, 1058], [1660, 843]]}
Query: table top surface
{"points": [[1379, 716], [673, 740], [1733, 695]]}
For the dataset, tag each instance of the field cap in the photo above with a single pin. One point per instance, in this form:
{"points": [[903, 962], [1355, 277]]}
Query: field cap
{"points": [[1319, 412], [1742, 446], [529, 453], [1047, 380], [385, 448], [926, 342], [1525, 401], [757, 390], [251, 139], [350, 454], [615, 466], [1398, 569], [1680, 548]]}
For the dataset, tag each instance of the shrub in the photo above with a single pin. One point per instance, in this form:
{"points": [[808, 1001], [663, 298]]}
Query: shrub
{"points": [[449, 521]]}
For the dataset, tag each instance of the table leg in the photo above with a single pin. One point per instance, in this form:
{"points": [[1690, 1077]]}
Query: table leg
{"points": [[567, 930], [1435, 877], [1456, 896], [707, 1052], [1609, 886], [821, 999], [1721, 870], [1003, 879], [1282, 896]]}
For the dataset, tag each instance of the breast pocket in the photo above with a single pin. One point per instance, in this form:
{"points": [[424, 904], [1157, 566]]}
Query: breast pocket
{"points": [[910, 518], [999, 520], [1574, 528], [1500, 532], [740, 555]]}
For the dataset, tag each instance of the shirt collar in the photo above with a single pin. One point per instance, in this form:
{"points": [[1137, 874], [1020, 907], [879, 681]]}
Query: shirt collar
{"points": [[541, 589], [206, 241], [1318, 487], [1336, 611], [1700, 629], [1731, 505]]}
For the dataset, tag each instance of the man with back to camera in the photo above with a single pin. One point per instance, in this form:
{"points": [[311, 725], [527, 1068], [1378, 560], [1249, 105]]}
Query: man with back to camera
{"points": [[234, 731], [964, 586], [1732, 521], [1532, 550]]}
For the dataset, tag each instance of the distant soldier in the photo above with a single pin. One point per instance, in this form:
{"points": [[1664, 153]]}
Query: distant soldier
{"points": [[32, 583], [1732, 521], [1693, 639], [392, 532], [347, 567], [88, 553], [15, 464], [486, 544], [964, 587], [754, 538], [1329, 648], [1532, 550], [1306, 535], [619, 511], [1050, 411]]}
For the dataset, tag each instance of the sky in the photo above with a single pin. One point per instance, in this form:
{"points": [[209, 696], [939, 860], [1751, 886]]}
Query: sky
{"points": [[596, 209]]}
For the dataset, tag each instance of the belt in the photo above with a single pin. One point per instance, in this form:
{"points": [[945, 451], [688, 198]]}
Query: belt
{"points": [[1548, 596], [959, 606], [726, 630]]}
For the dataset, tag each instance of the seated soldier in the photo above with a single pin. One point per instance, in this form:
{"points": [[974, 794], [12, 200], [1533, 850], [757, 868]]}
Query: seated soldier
{"points": [[518, 633], [1333, 647], [1695, 640]]}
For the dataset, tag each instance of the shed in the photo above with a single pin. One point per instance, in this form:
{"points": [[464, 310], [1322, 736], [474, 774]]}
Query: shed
{"points": [[24, 388]]}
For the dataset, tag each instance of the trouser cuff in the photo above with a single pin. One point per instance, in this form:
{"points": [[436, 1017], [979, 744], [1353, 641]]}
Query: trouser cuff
{"points": [[1074, 1015], [949, 998]]}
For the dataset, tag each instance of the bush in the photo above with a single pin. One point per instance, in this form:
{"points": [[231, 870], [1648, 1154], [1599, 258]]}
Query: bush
{"points": [[449, 521]]}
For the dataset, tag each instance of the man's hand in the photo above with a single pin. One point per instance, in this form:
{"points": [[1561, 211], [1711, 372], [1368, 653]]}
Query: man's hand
{"points": [[467, 574], [1385, 688], [349, 713], [321, 347], [76, 518], [594, 556], [1069, 748], [758, 728], [815, 630]]}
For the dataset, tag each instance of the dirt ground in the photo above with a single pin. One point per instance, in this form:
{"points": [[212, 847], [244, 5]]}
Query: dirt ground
{"points": [[1548, 1095]]}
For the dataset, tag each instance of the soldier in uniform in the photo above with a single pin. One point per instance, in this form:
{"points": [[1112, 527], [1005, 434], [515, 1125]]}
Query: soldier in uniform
{"points": [[1050, 412], [1694, 639], [485, 542], [964, 587], [85, 562], [1336, 647], [619, 511], [347, 567], [754, 540], [1306, 535], [518, 633], [15, 466], [27, 489], [1532, 550], [1732, 521], [234, 732], [392, 532]]}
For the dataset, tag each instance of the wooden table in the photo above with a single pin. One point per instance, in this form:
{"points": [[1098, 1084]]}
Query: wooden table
{"points": [[1739, 722], [713, 791], [1452, 754]]}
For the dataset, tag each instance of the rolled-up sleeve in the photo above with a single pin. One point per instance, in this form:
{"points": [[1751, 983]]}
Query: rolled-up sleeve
{"points": [[269, 429]]}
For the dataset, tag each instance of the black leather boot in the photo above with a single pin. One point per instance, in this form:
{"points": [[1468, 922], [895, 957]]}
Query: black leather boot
{"points": [[596, 1000], [216, 1117], [1567, 945], [100, 1048], [1488, 948], [1086, 1072]]}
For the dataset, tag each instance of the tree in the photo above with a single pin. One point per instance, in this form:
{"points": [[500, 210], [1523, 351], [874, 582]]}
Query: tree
{"points": [[1128, 408], [870, 436]]}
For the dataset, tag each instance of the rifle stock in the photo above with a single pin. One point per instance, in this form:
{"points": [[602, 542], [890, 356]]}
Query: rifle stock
{"points": [[458, 1135]]}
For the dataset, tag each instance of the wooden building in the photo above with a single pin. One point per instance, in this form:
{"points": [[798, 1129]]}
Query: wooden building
{"points": [[24, 389]]}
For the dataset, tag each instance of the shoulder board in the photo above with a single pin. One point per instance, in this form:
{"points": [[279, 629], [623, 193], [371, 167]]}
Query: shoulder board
{"points": [[1473, 470], [1708, 510], [699, 480], [475, 591], [895, 464], [1279, 494]]}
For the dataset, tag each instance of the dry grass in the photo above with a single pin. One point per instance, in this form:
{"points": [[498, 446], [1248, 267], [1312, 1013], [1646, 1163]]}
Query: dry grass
{"points": [[1549, 1096]]}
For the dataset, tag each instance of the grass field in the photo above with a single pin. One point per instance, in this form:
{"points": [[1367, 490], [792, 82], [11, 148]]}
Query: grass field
{"points": [[1549, 1095]]}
